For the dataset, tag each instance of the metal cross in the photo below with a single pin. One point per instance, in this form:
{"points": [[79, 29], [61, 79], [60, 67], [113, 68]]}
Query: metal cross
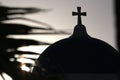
{"points": [[79, 13]]}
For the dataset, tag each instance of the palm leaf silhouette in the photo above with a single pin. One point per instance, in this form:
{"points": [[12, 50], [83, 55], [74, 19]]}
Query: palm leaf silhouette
{"points": [[9, 63]]}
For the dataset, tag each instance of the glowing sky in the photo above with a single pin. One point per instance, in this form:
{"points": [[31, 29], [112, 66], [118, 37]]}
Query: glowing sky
{"points": [[99, 21]]}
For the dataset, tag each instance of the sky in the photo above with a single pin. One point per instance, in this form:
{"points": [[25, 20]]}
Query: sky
{"points": [[99, 20]]}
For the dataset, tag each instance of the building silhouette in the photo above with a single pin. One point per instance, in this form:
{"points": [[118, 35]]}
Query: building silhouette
{"points": [[78, 54]]}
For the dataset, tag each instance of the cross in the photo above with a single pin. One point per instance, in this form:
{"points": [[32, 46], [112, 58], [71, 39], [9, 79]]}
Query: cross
{"points": [[79, 13]]}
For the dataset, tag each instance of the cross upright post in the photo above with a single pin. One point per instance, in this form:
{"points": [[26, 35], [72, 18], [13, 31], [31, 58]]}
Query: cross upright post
{"points": [[79, 13]]}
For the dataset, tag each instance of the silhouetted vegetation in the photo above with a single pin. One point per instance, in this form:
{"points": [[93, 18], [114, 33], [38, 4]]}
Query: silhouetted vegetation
{"points": [[9, 46], [117, 19]]}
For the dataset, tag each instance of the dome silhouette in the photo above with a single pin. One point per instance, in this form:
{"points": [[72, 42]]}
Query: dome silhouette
{"points": [[82, 54], [79, 53]]}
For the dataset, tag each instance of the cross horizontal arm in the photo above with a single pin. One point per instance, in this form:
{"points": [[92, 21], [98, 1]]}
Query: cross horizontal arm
{"points": [[83, 14], [74, 13]]}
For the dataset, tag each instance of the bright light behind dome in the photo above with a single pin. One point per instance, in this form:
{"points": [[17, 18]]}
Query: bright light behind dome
{"points": [[36, 49]]}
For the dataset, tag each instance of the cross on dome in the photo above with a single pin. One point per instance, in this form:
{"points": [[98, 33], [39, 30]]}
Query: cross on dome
{"points": [[79, 14]]}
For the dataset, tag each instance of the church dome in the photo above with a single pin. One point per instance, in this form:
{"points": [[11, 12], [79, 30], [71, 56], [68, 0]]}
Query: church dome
{"points": [[82, 54], [79, 53]]}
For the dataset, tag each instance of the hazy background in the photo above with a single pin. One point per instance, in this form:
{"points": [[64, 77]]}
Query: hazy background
{"points": [[99, 21]]}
